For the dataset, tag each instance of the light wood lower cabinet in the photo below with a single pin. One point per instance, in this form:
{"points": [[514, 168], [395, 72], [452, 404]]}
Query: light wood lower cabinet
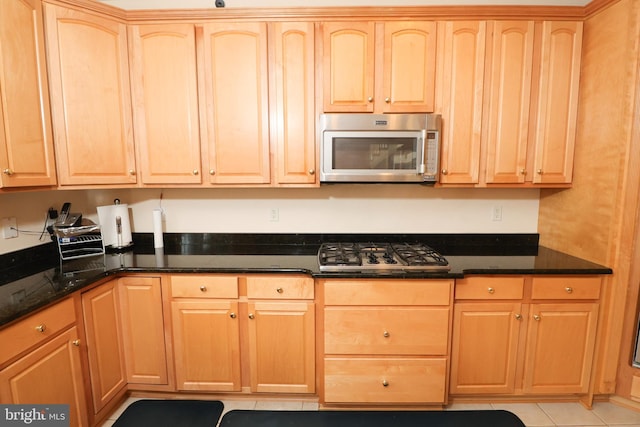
{"points": [[386, 341], [225, 340], [50, 373], [103, 329], [207, 345], [524, 335], [143, 332], [281, 307]]}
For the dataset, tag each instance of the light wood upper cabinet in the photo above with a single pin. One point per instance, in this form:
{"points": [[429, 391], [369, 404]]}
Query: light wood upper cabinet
{"points": [[558, 101], [90, 98], [385, 67], [461, 77], [509, 101], [165, 103], [26, 141], [348, 64], [235, 104], [293, 128], [409, 67]]}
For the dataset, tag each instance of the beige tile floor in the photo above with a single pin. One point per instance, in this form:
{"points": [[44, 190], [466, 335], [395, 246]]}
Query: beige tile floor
{"points": [[531, 414]]}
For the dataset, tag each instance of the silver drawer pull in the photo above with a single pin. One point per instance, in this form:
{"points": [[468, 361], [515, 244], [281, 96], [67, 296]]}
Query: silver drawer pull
{"points": [[385, 383], [568, 289], [41, 328], [203, 288], [491, 290], [279, 290], [386, 334]]}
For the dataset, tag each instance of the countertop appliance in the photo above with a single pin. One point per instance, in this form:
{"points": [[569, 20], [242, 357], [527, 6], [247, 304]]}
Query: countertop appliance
{"points": [[380, 148], [364, 256]]}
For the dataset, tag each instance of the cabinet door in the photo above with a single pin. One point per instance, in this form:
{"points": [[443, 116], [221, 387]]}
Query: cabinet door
{"points": [[462, 55], [409, 67], [284, 364], [509, 101], [293, 75], [165, 103], [206, 340], [560, 344], [236, 106], [143, 330], [484, 348], [104, 343], [52, 374], [26, 141], [348, 66], [558, 101], [90, 98]]}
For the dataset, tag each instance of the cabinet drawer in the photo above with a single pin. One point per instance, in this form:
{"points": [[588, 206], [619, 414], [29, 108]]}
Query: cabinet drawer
{"points": [[490, 288], [280, 287], [566, 287], [36, 329], [202, 286], [387, 292], [384, 380], [400, 331]]}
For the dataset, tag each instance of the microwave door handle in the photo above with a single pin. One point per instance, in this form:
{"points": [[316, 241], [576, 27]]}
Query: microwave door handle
{"points": [[423, 167]]}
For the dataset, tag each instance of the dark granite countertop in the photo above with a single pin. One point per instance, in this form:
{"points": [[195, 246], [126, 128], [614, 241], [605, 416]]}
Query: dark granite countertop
{"points": [[33, 278]]}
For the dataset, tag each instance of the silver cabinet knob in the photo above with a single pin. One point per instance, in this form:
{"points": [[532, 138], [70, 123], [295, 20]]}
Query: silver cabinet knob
{"points": [[385, 383], [387, 100], [386, 334], [41, 328], [279, 290], [370, 99], [491, 290], [518, 316], [445, 172], [195, 172], [203, 288], [568, 289], [132, 172], [312, 171], [536, 317], [7, 172], [232, 315], [212, 172]]}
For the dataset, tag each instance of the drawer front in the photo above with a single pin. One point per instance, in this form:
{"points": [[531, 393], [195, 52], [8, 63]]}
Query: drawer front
{"points": [[490, 288], [400, 331], [384, 380], [387, 292], [566, 287], [36, 329], [280, 287], [203, 286]]}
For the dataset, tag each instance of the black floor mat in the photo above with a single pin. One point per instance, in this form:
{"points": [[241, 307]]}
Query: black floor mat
{"points": [[242, 418], [171, 413]]}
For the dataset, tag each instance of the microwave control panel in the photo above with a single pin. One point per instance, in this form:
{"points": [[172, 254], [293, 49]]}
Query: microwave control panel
{"points": [[432, 157]]}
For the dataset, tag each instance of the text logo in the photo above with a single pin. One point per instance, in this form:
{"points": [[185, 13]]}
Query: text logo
{"points": [[34, 415]]}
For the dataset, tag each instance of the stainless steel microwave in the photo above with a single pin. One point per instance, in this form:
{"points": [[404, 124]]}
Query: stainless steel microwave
{"points": [[379, 148]]}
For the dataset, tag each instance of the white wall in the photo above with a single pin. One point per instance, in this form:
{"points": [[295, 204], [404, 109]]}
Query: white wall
{"points": [[328, 209]]}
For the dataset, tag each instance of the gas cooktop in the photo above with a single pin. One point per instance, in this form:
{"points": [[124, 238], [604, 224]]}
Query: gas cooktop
{"points": [[345, 256]]}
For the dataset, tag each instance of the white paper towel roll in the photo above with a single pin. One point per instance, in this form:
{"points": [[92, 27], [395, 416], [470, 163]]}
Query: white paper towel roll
{"points": [[158, 241], [112, 235]]}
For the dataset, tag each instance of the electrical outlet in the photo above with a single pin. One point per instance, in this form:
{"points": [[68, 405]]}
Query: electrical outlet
{"points": [[496, 214], [274, 215], [9, 228]]}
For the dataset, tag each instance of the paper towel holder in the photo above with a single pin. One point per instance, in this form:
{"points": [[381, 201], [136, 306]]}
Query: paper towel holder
{"points": [[117, 242]]}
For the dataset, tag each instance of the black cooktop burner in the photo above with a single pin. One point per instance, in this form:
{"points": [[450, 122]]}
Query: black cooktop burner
{"points": [[380, 256]]}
